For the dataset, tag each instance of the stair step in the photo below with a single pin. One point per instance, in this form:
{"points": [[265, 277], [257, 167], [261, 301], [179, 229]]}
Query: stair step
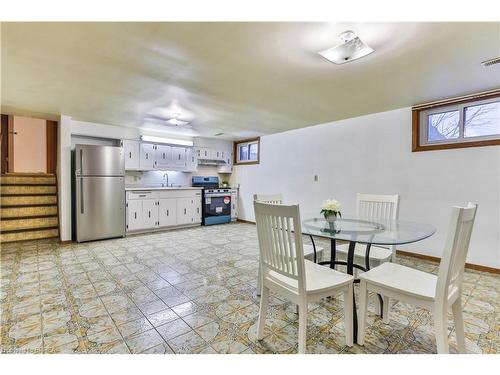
{"points": [[29, 235], [28, 211], [27, 180], [27, 200], [32, 223], [28, 189]]}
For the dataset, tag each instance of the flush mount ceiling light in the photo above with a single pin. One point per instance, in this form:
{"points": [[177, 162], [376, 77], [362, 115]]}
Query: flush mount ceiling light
{"points": [[490, 62], [351, 48], [174, 120]]}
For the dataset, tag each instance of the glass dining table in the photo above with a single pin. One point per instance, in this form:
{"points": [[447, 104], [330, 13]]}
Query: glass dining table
{"points": [[367, 231]]}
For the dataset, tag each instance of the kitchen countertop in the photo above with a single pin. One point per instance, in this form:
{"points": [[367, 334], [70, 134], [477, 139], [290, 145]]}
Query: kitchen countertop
{"points": [[141, 188]]}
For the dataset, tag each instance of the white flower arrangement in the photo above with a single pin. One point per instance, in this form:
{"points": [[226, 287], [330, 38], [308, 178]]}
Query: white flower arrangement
{"points": [[331, 207]]}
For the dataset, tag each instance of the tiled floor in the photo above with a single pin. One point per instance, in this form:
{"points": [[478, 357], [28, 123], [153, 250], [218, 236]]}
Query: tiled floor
{"points": [[193, 291]]}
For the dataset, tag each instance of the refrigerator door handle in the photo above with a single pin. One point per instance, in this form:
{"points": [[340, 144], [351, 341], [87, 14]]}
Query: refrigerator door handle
{"points": [[81, 195], [81, 160]]}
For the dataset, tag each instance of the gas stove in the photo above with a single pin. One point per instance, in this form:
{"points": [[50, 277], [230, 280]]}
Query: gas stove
{"points": [[215, 201]]}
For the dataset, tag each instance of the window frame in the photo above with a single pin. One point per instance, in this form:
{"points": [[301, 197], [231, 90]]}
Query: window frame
{"points": [[236, 149], [420, 123]]}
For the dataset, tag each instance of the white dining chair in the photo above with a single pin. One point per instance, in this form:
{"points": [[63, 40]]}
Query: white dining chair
{"points": [[372, 206], [311, 251], [287, 273], [425, 290]]}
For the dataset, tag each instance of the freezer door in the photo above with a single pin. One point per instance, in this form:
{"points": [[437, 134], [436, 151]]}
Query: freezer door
{"points": [[93, 160], [100, 208]]}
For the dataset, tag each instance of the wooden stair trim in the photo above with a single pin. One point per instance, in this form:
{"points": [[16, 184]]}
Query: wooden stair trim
{"points": [[28, 205], [28, 195], [29, 229], [21, 174], [28, 217], [44, 236], [25, 184]]}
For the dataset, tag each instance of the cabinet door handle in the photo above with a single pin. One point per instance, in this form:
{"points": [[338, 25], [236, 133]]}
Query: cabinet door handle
{"points": [[135, 215], [184, 211], [146, 156], [149, 213], [130, 155], [167, 213]]}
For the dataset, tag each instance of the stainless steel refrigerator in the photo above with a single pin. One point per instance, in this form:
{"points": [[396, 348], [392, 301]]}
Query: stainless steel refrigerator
{"points": [[99, 192]]}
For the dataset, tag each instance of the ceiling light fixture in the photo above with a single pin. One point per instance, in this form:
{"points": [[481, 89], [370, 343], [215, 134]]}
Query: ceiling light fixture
{"points": [[351, 48], [174, 120], [490, 62], [170, 141]]}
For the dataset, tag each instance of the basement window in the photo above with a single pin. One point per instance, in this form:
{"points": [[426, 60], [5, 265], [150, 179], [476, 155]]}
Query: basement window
{"points": [[470, 121], [247, 151]]}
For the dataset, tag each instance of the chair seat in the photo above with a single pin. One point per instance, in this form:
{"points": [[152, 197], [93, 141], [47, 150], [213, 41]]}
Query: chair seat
{"points": [[309, 249], [376, 252], [398, 278], [318, 278]]}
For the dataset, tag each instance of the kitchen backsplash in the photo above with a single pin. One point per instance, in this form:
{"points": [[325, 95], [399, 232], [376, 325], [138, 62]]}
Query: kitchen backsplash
{"points": [[174, 177]]}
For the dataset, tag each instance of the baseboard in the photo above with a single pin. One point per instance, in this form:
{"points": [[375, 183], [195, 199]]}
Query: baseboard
{"points": [[65, 242], [245, 221], [431, 258], [476, 267]]}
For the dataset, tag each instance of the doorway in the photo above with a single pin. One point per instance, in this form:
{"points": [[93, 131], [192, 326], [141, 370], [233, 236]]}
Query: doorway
{"points": [[28, 145]]}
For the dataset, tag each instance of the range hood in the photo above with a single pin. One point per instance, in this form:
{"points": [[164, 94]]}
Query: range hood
{"points": [[204, 161]]}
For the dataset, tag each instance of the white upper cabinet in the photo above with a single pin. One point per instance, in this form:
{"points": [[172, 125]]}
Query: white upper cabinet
{"points": [[163, 156], [141, 156], [179, 157], [205, 153], [147, 157], [217, 154], [131, 150], [191, 160], [227, 167]]}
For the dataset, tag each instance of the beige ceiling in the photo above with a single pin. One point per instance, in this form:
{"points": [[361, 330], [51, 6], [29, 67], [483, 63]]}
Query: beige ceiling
{"points": [[239, 79]]}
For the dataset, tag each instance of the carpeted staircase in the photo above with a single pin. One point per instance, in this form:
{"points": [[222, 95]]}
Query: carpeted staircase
{"points": [[28, 207]]}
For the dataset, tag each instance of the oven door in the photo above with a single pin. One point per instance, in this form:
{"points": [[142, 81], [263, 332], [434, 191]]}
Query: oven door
{"points": [[217, 208]]}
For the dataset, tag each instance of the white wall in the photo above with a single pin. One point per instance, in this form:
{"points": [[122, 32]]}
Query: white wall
{"points": [[64, 177], [372, 154], [92, 129]]}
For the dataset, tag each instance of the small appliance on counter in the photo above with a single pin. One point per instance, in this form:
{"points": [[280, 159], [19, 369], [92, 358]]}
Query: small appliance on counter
{"points": [[215, 201], [99, 192]]}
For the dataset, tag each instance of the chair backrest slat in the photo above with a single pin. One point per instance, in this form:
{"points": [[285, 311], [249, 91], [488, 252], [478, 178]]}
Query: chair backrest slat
{"points": [[378, 206], [269, 198], [280, 250], [451, 267]]}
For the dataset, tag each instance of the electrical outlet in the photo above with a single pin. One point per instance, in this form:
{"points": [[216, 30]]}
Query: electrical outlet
{"points": [[316, 178]]}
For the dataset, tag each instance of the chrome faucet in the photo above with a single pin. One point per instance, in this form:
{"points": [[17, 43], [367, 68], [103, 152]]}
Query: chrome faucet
{"points": [[165, 176]]}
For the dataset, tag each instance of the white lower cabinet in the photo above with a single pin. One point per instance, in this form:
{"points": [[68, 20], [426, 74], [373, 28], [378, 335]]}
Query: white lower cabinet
{"points": [[184, 213], [234, 204], [162, 208], [134, 215], [167, 212], [150, 213], [196, 204]]}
